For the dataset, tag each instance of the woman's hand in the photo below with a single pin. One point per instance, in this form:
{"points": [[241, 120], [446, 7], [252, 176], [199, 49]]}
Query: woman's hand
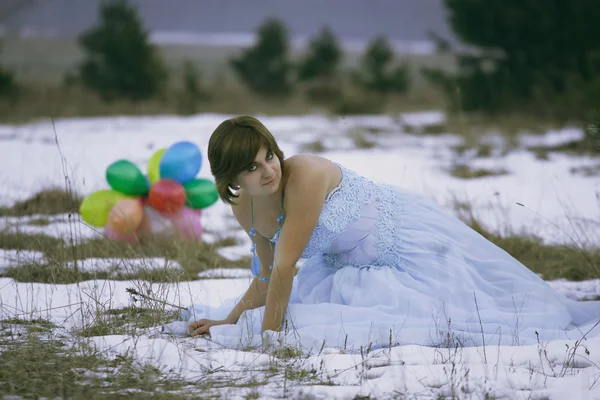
{"points": [[203, 325]]}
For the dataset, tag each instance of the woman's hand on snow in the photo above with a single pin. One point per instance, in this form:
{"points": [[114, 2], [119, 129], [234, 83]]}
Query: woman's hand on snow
{"points": [[202, 326]]}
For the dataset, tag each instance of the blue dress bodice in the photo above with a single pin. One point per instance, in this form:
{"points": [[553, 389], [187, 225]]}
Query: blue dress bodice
{"points": [[357, 224]]}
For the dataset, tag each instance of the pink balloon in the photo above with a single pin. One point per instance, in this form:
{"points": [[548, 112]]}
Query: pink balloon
{"points": [[112, 235], [186, 223], [145, 228]]}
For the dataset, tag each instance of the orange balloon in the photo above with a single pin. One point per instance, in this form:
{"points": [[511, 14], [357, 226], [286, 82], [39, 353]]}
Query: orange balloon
{"points": [[126, 216]]}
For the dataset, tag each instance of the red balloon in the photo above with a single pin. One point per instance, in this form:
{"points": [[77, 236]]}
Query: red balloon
{"points": [[167, 196]]}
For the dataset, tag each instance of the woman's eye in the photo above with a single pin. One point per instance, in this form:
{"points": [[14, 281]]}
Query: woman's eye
{"points": [[269, 156], [252, 168]]}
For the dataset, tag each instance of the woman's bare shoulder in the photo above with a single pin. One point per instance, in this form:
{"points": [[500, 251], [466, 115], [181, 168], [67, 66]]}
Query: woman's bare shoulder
{"points": [[301, 162], [318, 169]]}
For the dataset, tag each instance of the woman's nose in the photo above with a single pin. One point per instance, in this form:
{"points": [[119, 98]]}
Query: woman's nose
{"points": [[267, 171]]}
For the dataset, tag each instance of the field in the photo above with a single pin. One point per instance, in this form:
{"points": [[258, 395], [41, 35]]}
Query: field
{"points": [[82, 316], [41, 65], [85, 317]]}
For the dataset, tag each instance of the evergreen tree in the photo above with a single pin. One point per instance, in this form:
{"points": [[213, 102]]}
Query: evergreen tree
{"points": [[379, 73], [323, 58], [8, 84], [527, 52], [120, 61], [266, 68], [320, 67]]}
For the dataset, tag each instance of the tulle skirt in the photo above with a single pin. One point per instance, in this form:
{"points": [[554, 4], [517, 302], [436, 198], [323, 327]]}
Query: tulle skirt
{"points": [[449, 286]]}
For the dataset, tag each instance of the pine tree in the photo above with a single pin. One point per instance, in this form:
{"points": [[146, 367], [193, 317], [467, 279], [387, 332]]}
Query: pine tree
{"points": [[323, 57], [320, 67], [379, 73], [527, 53], [120, 61], [266, 68]]}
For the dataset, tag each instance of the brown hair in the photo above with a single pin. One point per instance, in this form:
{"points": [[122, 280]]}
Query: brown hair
{"points": [[232, 149]]}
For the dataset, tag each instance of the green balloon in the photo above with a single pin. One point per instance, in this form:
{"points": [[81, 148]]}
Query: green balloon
{"points": [[125, 177], [95, 208], [200, 193]]}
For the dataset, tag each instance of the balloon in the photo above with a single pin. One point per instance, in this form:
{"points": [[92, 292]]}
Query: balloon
{"points": [[181, 162], [167, 196], [95, 208], [126, 216], [186, 223], [110, 234], [200, 193], [145, 228], [125, 177], [155, 222], [154, 165]]}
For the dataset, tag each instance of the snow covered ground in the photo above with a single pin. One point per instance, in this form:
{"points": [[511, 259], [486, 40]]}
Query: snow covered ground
{"points": [[541, 197]]}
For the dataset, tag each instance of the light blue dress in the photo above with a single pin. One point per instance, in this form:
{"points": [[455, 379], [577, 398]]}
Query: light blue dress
{"points": [[386, 266]]}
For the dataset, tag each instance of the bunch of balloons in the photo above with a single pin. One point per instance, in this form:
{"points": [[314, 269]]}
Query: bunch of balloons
{"points": [[137, 205]]}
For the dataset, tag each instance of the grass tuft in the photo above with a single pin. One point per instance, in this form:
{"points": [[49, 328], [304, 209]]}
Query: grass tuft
{"points": [[35, 368], [123, 321], [63, 258], [464, 171], [46, 202], [550, 261]]}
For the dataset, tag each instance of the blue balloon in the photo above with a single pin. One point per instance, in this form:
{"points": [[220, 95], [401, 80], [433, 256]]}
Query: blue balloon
{"points": [[181, 162]]}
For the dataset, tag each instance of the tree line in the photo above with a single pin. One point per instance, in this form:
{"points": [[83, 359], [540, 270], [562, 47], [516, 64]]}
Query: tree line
{"points": [[540, 58]]}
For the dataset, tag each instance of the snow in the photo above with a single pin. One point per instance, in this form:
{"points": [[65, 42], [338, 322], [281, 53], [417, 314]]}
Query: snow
{"points": [[540, 197]]}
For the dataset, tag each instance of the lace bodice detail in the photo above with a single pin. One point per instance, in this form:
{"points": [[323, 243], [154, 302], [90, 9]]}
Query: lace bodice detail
{"points": [[357, 225]]}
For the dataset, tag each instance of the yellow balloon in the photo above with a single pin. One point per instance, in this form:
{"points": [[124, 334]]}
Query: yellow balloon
{"points": [[95, 208], [154, 165]]}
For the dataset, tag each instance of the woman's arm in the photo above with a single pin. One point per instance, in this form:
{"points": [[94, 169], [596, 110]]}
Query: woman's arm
{"points": [[304, 198], [256, 294]]}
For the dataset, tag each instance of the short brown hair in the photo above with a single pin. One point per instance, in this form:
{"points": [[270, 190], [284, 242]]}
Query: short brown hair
{"points": [[232, 148]]}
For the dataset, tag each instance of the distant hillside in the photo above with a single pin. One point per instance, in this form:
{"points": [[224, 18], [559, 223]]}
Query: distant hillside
{"points": [[402, 20]]}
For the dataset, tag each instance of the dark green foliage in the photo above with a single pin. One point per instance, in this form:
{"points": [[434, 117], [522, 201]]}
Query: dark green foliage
{"points": [[266, 68], [592, 133], [320, 67], [120, 61], [193, 91], [379, 73], [529, 55], [323, 58], [7, 82]]}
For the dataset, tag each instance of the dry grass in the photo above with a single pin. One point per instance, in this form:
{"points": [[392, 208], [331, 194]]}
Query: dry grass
{"points": [[193, 256], [574, 147], [465, 171], [33, 367], [586, 170], [62, 256], [570, 262], [42, 63], [43, 101], [47, 202]]}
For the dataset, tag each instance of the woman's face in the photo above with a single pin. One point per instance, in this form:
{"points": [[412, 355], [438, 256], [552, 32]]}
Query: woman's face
{"points": [[263, 177]]}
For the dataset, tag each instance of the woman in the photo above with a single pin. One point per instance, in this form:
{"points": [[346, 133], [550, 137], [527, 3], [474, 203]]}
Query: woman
{"points": [[383, 266]]}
